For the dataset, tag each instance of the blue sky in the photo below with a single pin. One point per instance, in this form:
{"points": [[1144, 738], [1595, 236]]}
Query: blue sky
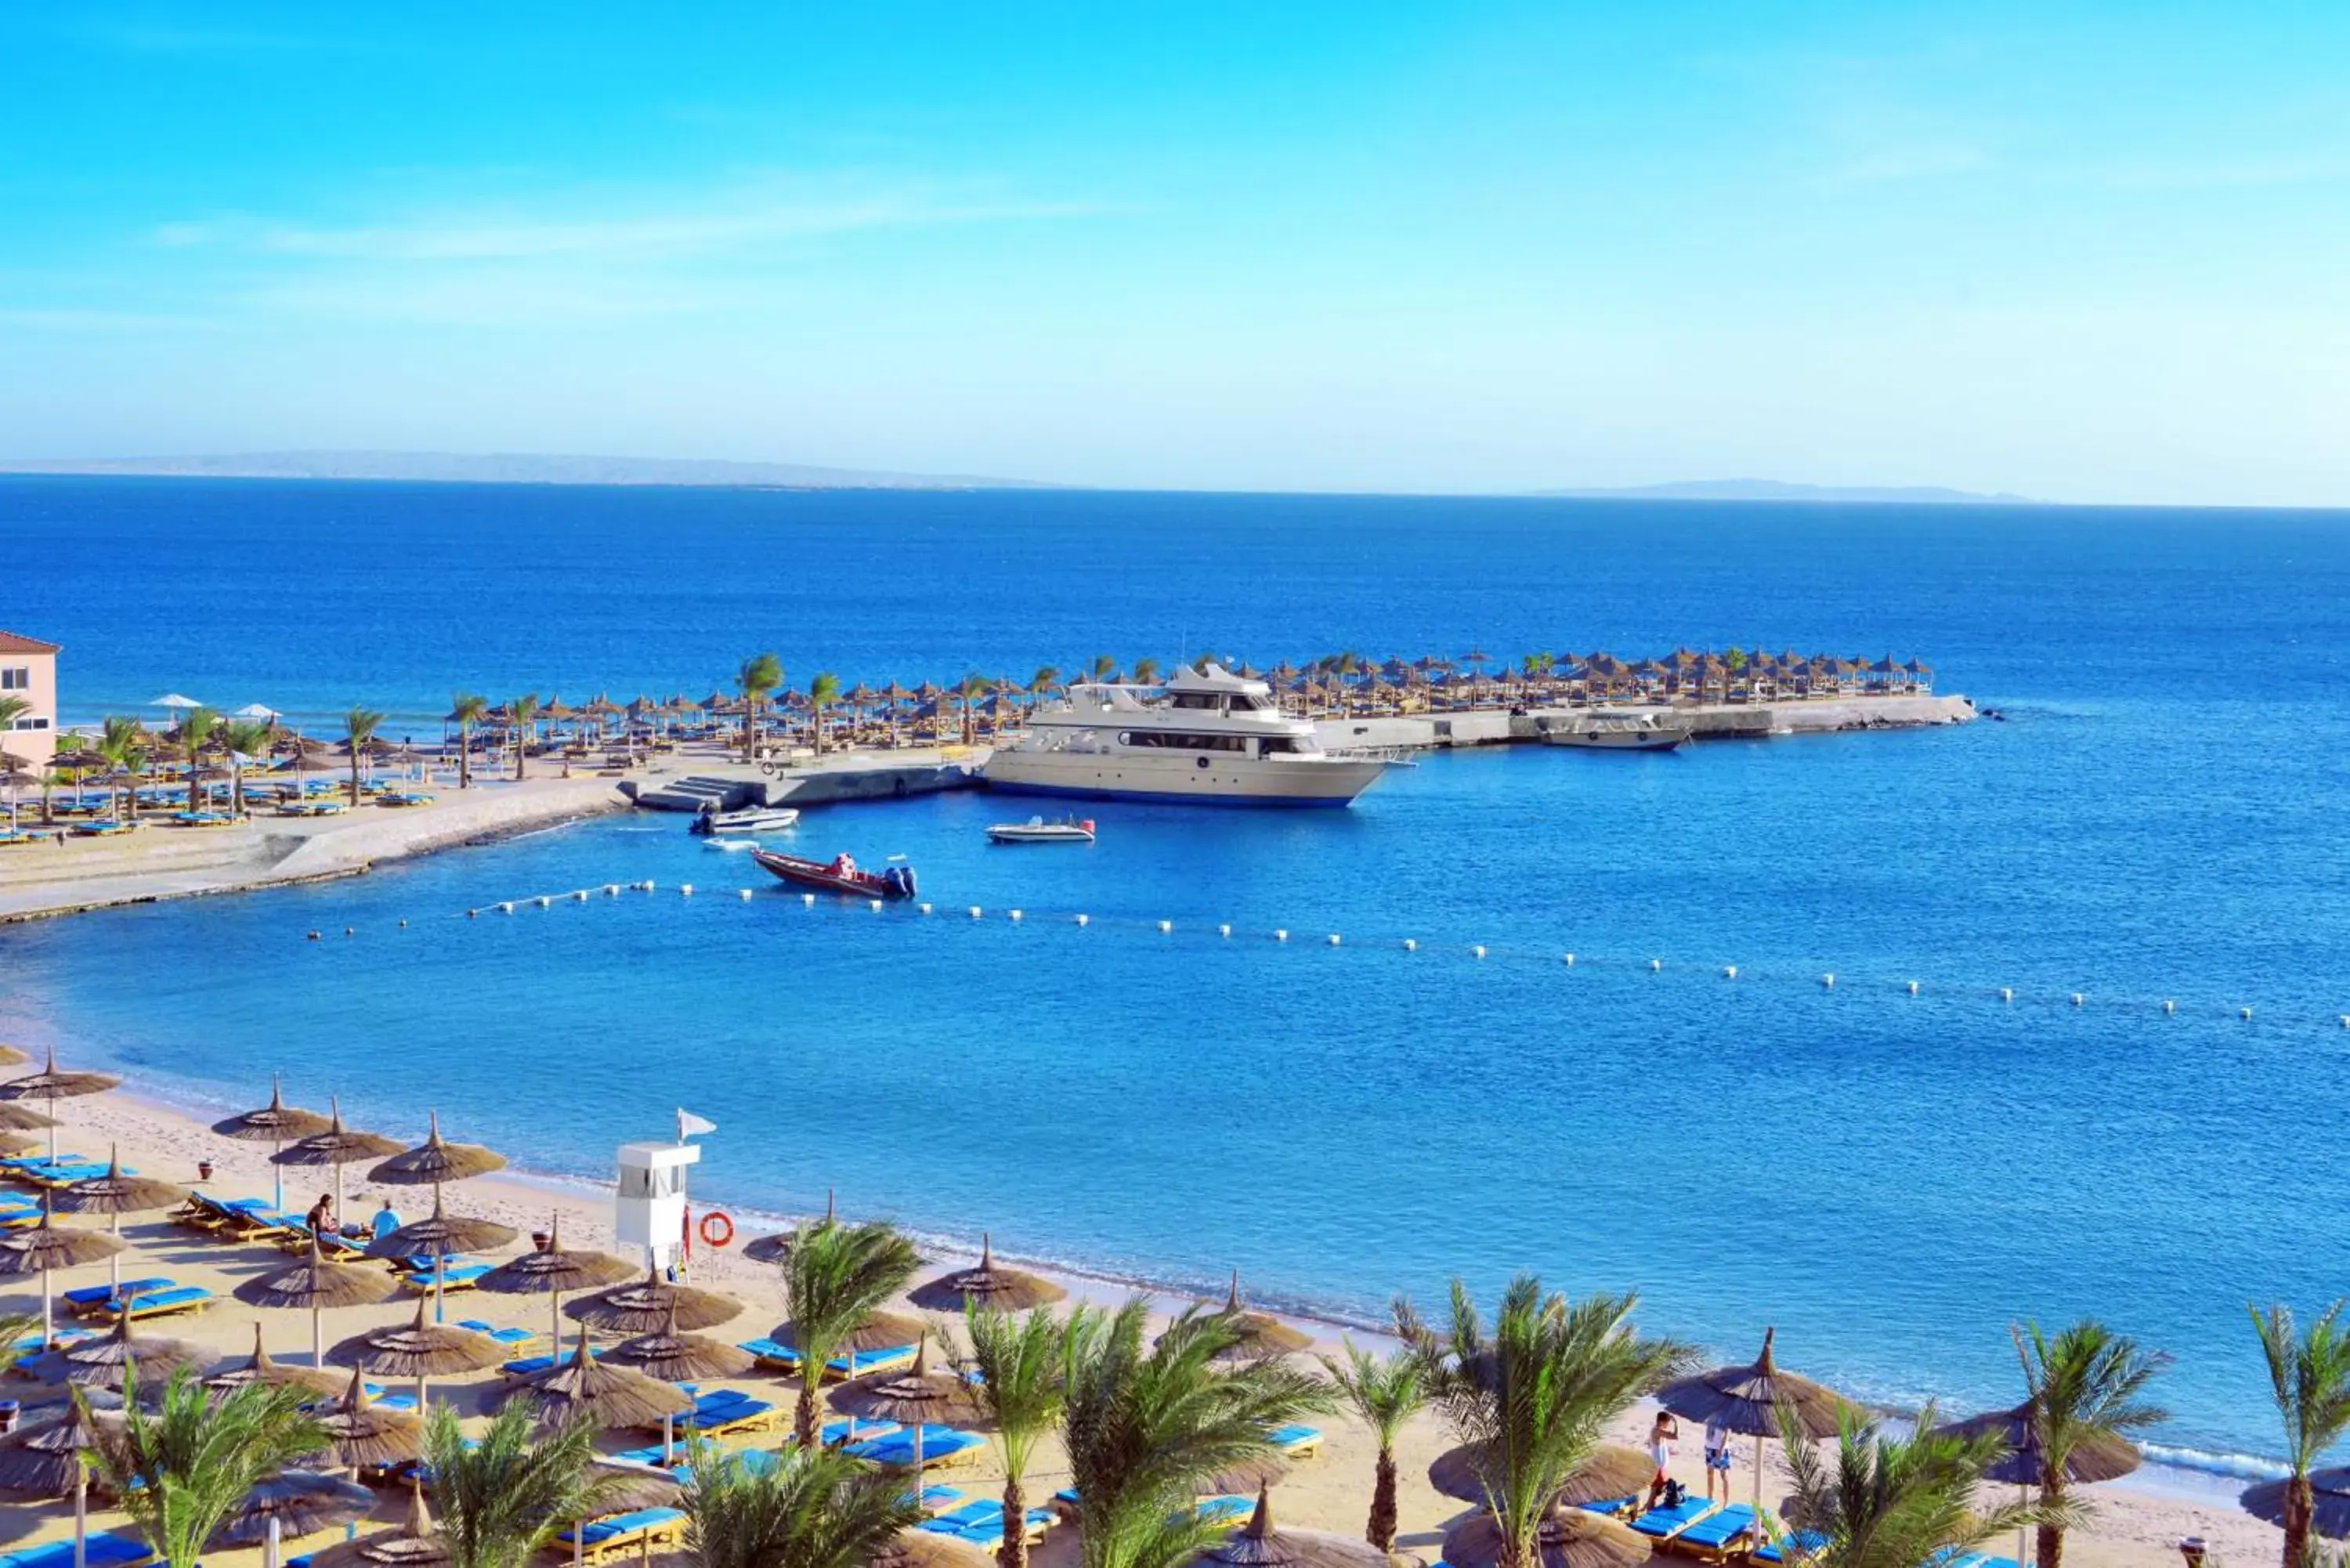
{"points": [[2086, 251]]}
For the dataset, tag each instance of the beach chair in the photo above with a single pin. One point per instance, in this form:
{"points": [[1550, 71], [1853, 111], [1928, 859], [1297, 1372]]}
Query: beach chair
{"points": [[508, 1337], [523, 1366], [1770, 1553], [1297, 1442], [937, 1500], [257, 1223], [1663, 1524], [1230, 1508], [987, 1534], [101, 1548], [857, 1364], [941, 1446], [1719, 1535], [773, 1354], [955, 1521], [106, 1298], [602, 1539], [1614, 1507], [724, 1411], [332, 1246], [160, 1298], [457, 1277]]}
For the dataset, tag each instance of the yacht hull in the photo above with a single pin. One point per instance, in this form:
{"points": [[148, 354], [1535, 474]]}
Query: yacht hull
{"points": [[1250, 782]]}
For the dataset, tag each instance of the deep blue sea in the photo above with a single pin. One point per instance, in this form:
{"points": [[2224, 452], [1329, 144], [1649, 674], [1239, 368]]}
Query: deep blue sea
{"points": [[1890, 1179]]}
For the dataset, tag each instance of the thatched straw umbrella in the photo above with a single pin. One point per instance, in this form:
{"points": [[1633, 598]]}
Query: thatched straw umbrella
{"points": [[415, 1544], [50, 1086], [120, 1358], [928, 1549], [337, 1146], [2097, 1457], [1259, 1545], [881, 1330], [1748, 1399], [1247, 1476], [777, 1248], [2330, 1493], [319, 1285], [1612, 1470], [985, 1286], [1261, 1334], [419, 1350], [23, 1118], [439, 1236], [276, 1124], [115, 1194], [651, 1305], [45, 1248], [291, 1503], [52, 1459], [911, 1398], [554, 1272], [1566, 1538], [671, 1356], [13, 1056], [581, 1388], [259, 1368], [363, 1435], [17, 1143]]}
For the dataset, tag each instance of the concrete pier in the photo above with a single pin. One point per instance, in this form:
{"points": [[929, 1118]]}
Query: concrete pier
{"points": [[1710, 721]]}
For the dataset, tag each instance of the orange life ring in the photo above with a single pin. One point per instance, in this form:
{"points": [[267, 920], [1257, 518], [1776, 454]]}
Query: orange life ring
{"points": [[716, 1229]]}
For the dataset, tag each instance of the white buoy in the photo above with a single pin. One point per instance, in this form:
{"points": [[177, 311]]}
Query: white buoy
{"points": [[1729, 971], [1165, 927], [1913, 988], [874, 904], [2345, 1021], [1410, 946], [1281, 936], [1570, 960], [648, 885], [807, 901], [1478, 949], [1334, 938], [926, 908], [2169, 1005], [581, 896], [1656, 966], [1828, 981], [1223, 930], [2007, 994], [403, 925], [974, 911], [505, 909], [2246, 1013], [544, 902], [1083, 919], [743, 894], [611, 889], [2078, 1000], [1012, 915], [685, 889], [476, 914]]}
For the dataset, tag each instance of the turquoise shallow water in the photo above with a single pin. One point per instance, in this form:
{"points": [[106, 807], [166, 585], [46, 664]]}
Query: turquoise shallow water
{"points": [[1890, 1179]]}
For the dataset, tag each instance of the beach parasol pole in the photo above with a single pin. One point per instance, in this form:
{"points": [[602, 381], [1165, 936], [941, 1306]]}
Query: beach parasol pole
{"points": [[81, 1512]]}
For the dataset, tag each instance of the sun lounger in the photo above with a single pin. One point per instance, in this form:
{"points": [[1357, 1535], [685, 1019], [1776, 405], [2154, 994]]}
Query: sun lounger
{"points": [[773, 1354], [1297, 1442], [1769, 1551], [1227, 1508], [941, 1446], [332, 1246], [888, 1359], [1720, 1534], [1614, 1507], [1665, 1524], [502, 1335], [981, 1524], [461, 1277], [259, 1223], [724, 1411], [525, 1366], [161, 1302], [101, 1548], [954, 1520], [605, 1538], [937, 1500], [105, 1296]]}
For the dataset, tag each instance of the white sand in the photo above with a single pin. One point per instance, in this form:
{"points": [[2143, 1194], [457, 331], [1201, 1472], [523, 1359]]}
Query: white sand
{"points": [[2135, 1525]]}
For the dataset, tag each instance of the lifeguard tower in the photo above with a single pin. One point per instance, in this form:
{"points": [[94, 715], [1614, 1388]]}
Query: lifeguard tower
{"points": [[650, 1212]]}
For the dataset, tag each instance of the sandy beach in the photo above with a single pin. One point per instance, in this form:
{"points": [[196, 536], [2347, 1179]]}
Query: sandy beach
{"points": [[2138, 1522]]}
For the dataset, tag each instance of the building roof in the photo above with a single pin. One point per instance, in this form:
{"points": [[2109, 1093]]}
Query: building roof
{"points": [[12, 643]]}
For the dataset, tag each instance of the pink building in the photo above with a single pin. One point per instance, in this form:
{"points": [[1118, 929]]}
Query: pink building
{"points": [[28, 669]]}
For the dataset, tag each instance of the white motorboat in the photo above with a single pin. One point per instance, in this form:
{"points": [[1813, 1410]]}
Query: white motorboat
{"points": [[1206, 735], [1036, 830], [731, 846], [712, 823], [1624, 732]]}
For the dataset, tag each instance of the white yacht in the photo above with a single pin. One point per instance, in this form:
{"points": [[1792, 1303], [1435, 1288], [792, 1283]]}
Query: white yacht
{"points": [[1206, 735]]}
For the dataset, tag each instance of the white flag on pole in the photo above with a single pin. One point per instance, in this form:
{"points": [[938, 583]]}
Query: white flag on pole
{"points": [[691, 1125]]}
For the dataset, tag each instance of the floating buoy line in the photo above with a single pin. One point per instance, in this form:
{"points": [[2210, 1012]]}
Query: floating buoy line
{"points": [[1437, 951]]}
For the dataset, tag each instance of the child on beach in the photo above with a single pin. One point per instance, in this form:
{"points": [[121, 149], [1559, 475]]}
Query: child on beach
{"points": [[1661, 1434], [1717, 1460]]}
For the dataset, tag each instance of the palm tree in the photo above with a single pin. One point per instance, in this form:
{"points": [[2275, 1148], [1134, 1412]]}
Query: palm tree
{"points": [[760, 674], [182, 1471], [2309, 1377], [520, 713], [1145, 670], [836, 1277], [501, 1498], [1043, 681], [812, 1508], [2087, 1383], [198, 728], [359, 726], [823, 692], [244, 738], [466, 708], [1021, 1388], [971, 688], [1103, 668], [1145, 1429], [1533, 1399], [1385, 1394], [123, 743], [1896, 1502]]}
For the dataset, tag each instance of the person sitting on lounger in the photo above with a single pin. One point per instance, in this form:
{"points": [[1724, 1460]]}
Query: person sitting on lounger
{"points": [[1660, 1449], [387, 1221], [321, 1218]]}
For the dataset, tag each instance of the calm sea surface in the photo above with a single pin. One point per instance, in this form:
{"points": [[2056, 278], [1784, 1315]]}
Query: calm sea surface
{"points": [[1890, 1180]]}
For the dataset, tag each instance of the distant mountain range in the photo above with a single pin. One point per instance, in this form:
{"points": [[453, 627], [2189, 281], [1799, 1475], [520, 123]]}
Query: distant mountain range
{"points": [[510, 468], [1778, 490]]}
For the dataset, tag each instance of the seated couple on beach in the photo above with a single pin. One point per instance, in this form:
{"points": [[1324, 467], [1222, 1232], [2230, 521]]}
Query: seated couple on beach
{"points": [[320, 1220], [1663, 1433]]}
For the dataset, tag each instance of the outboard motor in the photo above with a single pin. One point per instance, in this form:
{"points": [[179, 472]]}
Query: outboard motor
{"points": [[910, 888]]}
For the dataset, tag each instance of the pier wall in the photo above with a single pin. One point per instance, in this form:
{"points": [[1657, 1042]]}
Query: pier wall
{"points": [[1710, 721]]}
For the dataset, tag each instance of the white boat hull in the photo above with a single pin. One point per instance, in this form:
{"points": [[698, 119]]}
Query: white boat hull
{"points": [[1200, 778]]}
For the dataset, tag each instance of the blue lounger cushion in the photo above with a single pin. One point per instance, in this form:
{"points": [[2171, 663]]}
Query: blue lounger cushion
{"points": [[523, 1365], [102, 1548], [1660, 1524], [723, 1408], [91, 1295], [986, 1510], [599, 1531], [990, 1535], [1225, 1509], [864, 1361], [1807, 1539], [773, 1350], [898, 1448], [649, 1456], [502, 1335], [936, 1499], [175, 1299], [1612, 1506], [1716, 1531], [1291, 1438], [451, 1277]]}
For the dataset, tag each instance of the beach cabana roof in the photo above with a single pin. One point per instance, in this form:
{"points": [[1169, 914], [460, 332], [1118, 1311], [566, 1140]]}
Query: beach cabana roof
{"points": [[23, 1118], [114, 1360], [581, 1386], [11, 1056], [318, 1283], [440, 1234], [49, 1246], [260, 1368], [985, 1284], [1747, 1398], [2330, 1490], [116, 1193], [362, 1434], [45, 1459], [1566, 1538], [929, 1549], [418, 1349], [51, 1084], [1612, 1470], [301, 1502], [671, 1356], [2096, 1458], [275, 1122], [415, 1544], [1260, 1543], [883, 1330], [917, 1395], [653, 1303], [1261, 1334], [337, 1145], [540, 1273]]}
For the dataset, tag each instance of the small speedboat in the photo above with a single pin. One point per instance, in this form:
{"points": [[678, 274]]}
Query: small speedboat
{"points": [[1036, 830], [713, 824], [1623, 732], [838, 875], [731, 846]]}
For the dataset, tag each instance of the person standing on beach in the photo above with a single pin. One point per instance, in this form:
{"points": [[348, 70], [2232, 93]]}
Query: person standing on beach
{"points": [[1717, 1460], [1661, 1434]]}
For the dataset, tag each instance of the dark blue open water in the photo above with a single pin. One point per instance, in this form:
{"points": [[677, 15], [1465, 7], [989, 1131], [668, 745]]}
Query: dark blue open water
{"points": [[1890, 1180]]}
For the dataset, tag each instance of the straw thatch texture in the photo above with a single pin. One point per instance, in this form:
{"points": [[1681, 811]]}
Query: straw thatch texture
{"points": [[581, 1386], [415, 1544], [1747, 1399], [671, 1356], [928, 1549], [275, 1122], [2099, 1457], [337, 1145], [49, 1245], [912, 1397], [418, 1349], [50, 1084], [115, 1193], [364, 1435], [16, 1117], [259, 1368], [647, 1307], [1612, 1470], [440, 1234], [433, 1161], [42, 1461], [303, 1502], [541, 1273], [1567, 1538], [883, 1330], [2331, 1489], [113, 1361], [1259, 1545], [986, 1285], [315, 1283]]}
